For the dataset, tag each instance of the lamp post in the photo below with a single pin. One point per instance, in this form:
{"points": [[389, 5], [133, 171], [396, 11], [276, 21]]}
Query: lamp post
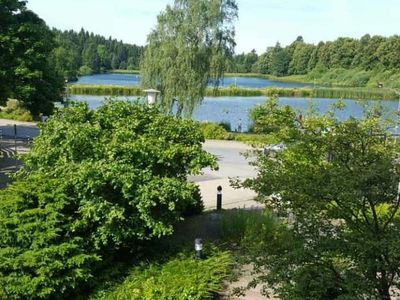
{"points": [[198, 248], [151, 96]]}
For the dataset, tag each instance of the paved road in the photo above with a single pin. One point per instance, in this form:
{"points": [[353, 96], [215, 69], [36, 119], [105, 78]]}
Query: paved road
{"points": [[24, 129], [231, 165]]}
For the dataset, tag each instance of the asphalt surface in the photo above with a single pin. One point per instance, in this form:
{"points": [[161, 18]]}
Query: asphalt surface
{"points": [[231, 162], [232, 165]]}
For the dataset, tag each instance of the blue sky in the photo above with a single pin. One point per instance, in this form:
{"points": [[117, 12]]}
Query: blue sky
{"points": [[261, 22]]}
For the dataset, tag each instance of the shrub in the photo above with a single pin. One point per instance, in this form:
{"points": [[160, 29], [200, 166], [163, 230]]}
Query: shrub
{"points": [[180, 278], [93, 182], [226, 125], [14, 111], [85, 70], [213, 131]]}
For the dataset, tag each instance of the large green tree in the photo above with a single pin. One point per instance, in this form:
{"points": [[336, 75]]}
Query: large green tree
{"points": [[95, 182], [25, 71], [187, 49], [337, 182]]}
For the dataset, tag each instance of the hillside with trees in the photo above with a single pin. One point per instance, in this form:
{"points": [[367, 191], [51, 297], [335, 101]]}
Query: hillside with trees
{"points": [[84, 53], [368, 61]]}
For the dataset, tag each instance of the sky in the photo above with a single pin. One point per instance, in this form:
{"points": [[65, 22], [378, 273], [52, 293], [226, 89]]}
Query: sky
{"points": [[261, 23]]}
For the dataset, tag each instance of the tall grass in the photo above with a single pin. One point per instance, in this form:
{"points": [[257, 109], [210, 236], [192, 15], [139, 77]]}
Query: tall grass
{"points": [[236, 224], [106, 90], [122, 71], [323, 92]]}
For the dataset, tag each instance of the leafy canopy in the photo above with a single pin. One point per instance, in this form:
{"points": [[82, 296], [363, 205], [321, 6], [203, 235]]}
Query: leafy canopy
{"points": [[188, 48], [25, 70], [95, 182], [337, 183]]}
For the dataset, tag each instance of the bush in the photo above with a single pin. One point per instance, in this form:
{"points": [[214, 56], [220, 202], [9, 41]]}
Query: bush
{"points": [[14, 111], [85, 70], [226, 125], [213, 131], [180, 278], [94, 182]]}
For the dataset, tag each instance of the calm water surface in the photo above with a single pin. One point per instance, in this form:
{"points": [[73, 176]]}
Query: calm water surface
{"points": [[235, 110], [134, 80]]}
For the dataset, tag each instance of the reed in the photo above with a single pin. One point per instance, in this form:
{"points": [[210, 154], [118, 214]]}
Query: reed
{"points": [[122, 71], [108, 90], [333, 93]]}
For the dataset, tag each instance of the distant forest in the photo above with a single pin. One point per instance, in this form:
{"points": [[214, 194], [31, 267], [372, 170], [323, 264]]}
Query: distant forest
{"points": [[349, 61], [345, 61], [300, 58], [84, 53]]}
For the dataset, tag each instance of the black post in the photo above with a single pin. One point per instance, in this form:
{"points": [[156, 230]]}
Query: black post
{"points": [[15, 138], [219, 197]]}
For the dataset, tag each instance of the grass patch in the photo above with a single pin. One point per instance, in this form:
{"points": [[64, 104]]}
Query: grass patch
{"points": [[237, 223]]}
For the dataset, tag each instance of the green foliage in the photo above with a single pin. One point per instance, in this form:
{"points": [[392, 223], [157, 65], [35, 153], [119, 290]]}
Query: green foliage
{"points": [[337, 183], [187, 49], [120, 71], [320, 92], [238, 224], [84, 53], [182, 277], [40, 255], [270, 117], [94, 182], [343, 62], [213, 131], [26, 72], [226, 125], [85, 70], [14, 111], [106, 90]]}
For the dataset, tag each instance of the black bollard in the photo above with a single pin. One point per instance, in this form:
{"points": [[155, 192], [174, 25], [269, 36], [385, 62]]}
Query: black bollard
{"points": [[15, 138], [219, 197]]}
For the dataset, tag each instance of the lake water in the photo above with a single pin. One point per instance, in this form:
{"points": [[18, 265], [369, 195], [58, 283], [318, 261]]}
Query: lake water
{"points": [[235, 110], [134, 80]]}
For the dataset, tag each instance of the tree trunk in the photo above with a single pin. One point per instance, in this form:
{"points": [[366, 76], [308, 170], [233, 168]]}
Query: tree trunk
{"points": [[384, 293]]}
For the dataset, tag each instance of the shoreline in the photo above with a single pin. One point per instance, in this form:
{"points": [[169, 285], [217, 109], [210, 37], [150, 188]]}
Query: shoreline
{"points": [[329, 93]]}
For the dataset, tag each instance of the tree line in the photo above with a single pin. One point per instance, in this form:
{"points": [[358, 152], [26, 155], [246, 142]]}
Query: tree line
{"points": [[83, 53], [35, 61], [366, 53]]}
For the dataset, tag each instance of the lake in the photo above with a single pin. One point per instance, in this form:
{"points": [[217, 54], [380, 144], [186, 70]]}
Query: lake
{"points": [[235, 110], [134, 80]]}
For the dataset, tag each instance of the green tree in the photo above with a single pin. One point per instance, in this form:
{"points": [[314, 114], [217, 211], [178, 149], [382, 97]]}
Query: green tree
{"points": [[90, 57], [279, 61], [25, 65], [343, 51], [187, 49], [95, 182], [264, 62], [337, 182], [65, 60], [300, 58], [387, 53]]}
